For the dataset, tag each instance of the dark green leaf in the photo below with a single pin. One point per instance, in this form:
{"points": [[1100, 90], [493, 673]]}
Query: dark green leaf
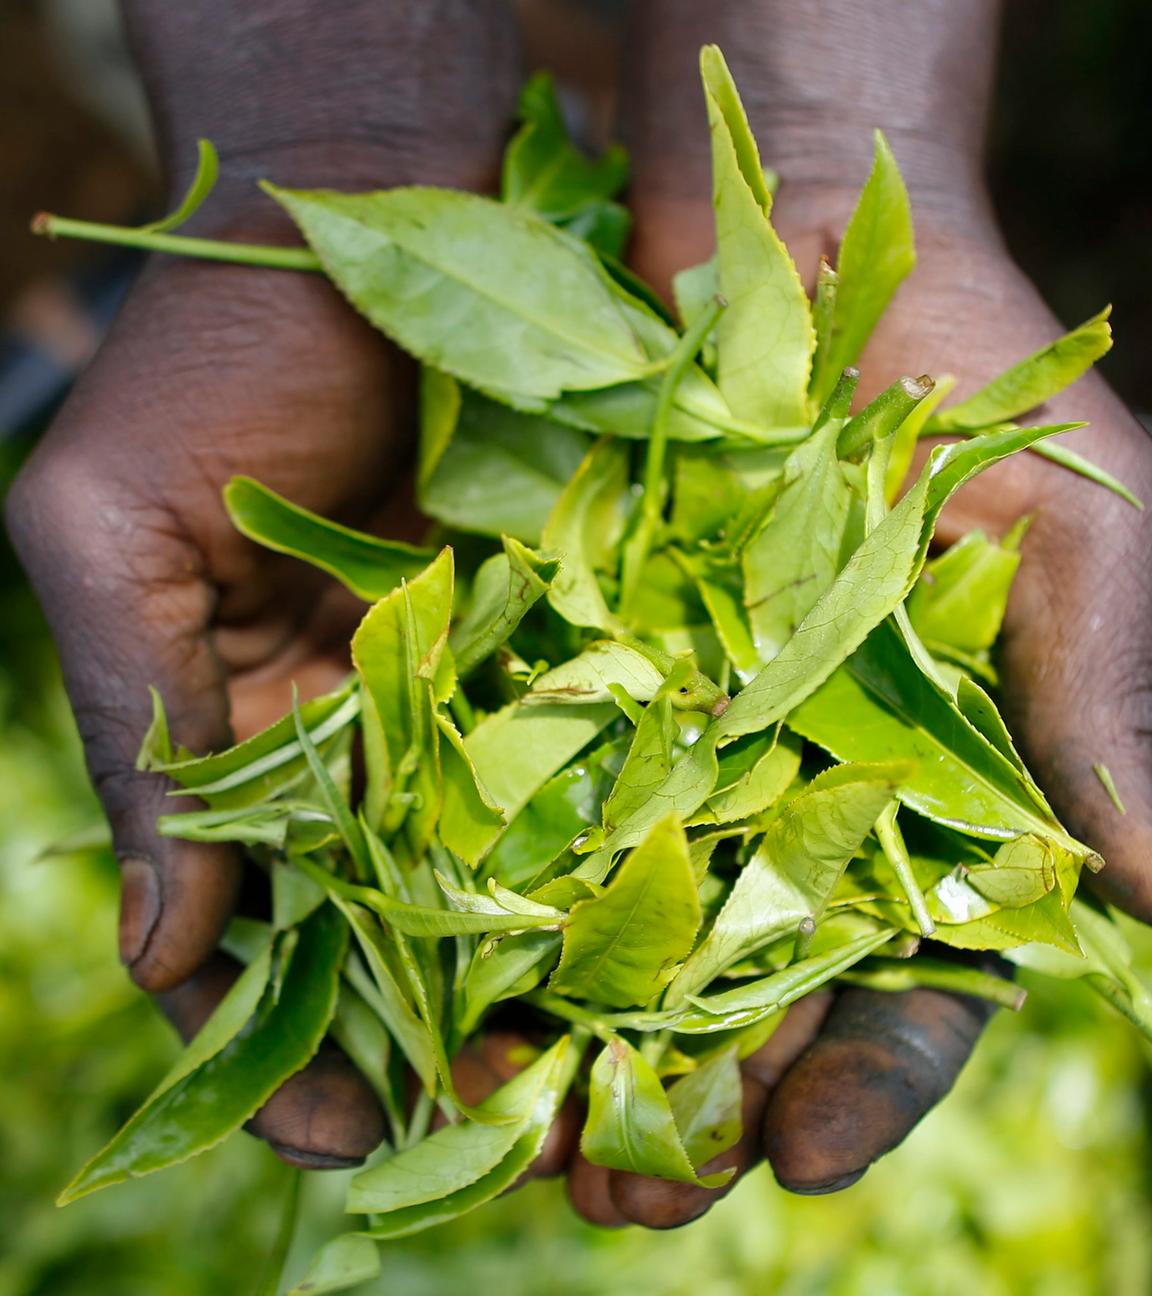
{"points": [[225, 1080], [544, 172], [369, 567]]}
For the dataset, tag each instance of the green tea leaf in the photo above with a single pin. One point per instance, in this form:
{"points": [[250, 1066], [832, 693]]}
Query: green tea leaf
{"points": [[699, 412], [765, 337], [501, 472], [1032, 381], [630, 1123], [205, 1102], [369, 567], [516, 965], [401, 637], [647, 764], [876, 255], [681, 793], [405, 1220], [758, 785], [604, 226], [392, 997], [346, 1261], [694, 288], [517, 750], [589, 677], [584, 528], [506, 586], [544, 173], [880, 706], [494, 296], [796, 554], [1060, 454], [795, 869], [565, 807], [870, 587], [960, 599], [623, 946], [268, 763], [469, 816], [759, 1000], [457, 1155], [707, 1106]]}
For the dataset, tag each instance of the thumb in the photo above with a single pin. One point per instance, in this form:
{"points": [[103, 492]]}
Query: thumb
{"points": [[128, 608]]}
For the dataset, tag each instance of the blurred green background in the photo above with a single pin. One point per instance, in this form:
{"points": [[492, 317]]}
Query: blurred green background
{"points": [[1032, 1180]]}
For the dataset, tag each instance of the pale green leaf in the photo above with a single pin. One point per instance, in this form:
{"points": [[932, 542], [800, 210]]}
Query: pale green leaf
{"points": [[623, 946], [492, 295]]}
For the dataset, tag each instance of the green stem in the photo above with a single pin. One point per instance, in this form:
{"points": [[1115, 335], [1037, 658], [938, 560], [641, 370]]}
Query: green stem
{"points": [[892, 843], [421, 1119], [894, 977], [273, 1275], [883, 415], [250, 254], [569, 1012], [652, 504], [804, 933]]}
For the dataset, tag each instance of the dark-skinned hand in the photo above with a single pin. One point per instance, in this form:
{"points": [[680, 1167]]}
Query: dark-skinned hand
{"points": [[211, 371]]}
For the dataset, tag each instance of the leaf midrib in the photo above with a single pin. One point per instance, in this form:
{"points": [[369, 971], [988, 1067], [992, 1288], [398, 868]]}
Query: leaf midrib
{"points": [[515, 310]]}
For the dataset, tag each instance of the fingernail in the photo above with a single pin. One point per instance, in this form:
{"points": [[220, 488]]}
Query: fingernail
{"points": [[139, 907], [313, 1160], [833, 1185]]}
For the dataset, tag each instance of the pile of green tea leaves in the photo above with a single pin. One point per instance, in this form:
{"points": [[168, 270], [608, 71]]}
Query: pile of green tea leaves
{"points": [[673, 722]]}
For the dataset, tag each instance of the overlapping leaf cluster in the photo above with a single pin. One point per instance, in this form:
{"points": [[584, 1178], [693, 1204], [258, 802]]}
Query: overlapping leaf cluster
{"points": [[672, 723]]}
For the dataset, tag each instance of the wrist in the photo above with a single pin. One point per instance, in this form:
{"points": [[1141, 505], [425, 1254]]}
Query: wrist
{"points": [[815, 85], [366, 94]]}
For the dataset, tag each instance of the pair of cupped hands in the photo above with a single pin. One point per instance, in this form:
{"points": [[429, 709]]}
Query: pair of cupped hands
{"points": [[215, 370]]}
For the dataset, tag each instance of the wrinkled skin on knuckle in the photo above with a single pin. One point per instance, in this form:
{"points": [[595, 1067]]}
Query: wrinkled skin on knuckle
{"points": [[324, 1117], [882, 1061]]}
